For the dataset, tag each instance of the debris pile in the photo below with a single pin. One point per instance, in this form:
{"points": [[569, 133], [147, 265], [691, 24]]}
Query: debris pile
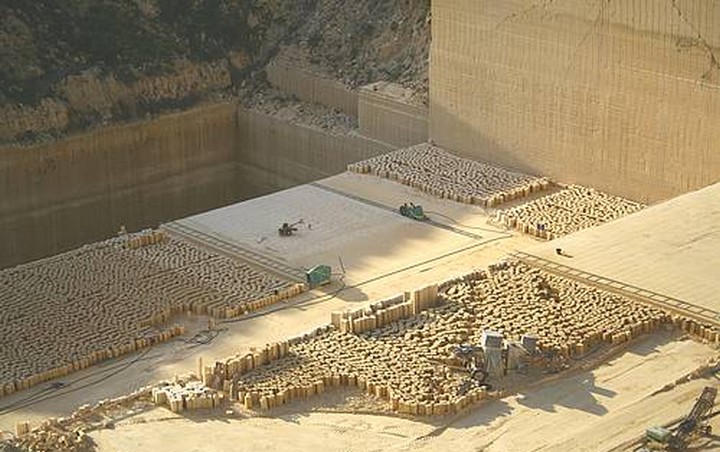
{"points": [[71, 433]]}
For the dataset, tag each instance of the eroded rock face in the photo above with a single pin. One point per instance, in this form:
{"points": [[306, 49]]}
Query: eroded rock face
{"points": [[47, 116], [71, 67], [89, 99]]}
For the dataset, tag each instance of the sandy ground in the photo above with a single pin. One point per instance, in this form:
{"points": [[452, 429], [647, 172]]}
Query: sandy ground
{"points": [[404, 256], [327, 432], [595, 410], [672, 248], [590, 411]]}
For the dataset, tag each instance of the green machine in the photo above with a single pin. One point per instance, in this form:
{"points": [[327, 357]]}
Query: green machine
{"points": [[658, 434], [412, 211], [318, 276]]}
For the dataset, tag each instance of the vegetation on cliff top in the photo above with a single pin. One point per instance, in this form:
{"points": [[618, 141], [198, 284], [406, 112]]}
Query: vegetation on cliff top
{"points": [[68, 65]]}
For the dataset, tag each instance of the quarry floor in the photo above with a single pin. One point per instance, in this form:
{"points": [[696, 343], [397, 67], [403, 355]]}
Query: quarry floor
{"points": [[352, 219]]}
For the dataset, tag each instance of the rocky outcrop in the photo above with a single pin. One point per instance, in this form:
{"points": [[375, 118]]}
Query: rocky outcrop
{"points": [[17, 120], [70, 68], [91, 98]]}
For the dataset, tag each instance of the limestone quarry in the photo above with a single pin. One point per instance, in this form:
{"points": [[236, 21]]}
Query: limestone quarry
{"points": [[410, 225]]}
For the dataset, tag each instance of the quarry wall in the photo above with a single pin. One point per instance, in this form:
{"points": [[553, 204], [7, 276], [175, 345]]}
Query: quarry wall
{"points": [[115, 158], [620, 95], [274, 154], [81, 189], [386, 113], [312, 87]]}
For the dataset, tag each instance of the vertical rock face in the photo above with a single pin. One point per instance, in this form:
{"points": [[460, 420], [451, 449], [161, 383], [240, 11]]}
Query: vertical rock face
{"points": [[620, 95], [59, 195]]}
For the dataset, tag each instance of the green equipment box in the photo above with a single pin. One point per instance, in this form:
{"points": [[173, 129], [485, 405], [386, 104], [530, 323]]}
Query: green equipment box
{"points": [[318, 275]]}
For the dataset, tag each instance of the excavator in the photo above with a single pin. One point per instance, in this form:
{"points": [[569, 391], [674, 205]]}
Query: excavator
{"points": [[694, 424], [413, 212], [288, 229]]}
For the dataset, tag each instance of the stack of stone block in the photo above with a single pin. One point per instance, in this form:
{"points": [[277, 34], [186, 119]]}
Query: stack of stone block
{"points": [[569, 210], [186, 396], [386, 311], [146, 238], [410, 361], [101, 301], [439, 173]]}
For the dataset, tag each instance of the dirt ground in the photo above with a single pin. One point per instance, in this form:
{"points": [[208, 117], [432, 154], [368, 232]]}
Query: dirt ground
{"points": [[584, 411]]}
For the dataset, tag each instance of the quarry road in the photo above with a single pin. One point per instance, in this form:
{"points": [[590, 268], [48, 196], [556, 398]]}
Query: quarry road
{"points": [[667, 253], [644, 295]]}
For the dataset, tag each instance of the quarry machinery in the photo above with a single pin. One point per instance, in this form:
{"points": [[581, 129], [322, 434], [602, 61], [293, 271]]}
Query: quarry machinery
{"points": [[473, 360], [493, 358], [288, 229], [413, 212], [322, 274], [694, 424], [319, 275]]}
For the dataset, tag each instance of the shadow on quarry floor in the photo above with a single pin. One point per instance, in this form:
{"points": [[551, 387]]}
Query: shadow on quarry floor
{"points": [[352, 294], [580, 394]]}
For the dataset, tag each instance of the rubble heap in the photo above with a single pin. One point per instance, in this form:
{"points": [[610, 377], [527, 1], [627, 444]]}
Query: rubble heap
{"points": [[70, 434]]}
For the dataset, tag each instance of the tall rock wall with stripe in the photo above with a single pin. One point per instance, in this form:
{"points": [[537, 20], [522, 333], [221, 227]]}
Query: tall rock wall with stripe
{"points": [[622, 95]]}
